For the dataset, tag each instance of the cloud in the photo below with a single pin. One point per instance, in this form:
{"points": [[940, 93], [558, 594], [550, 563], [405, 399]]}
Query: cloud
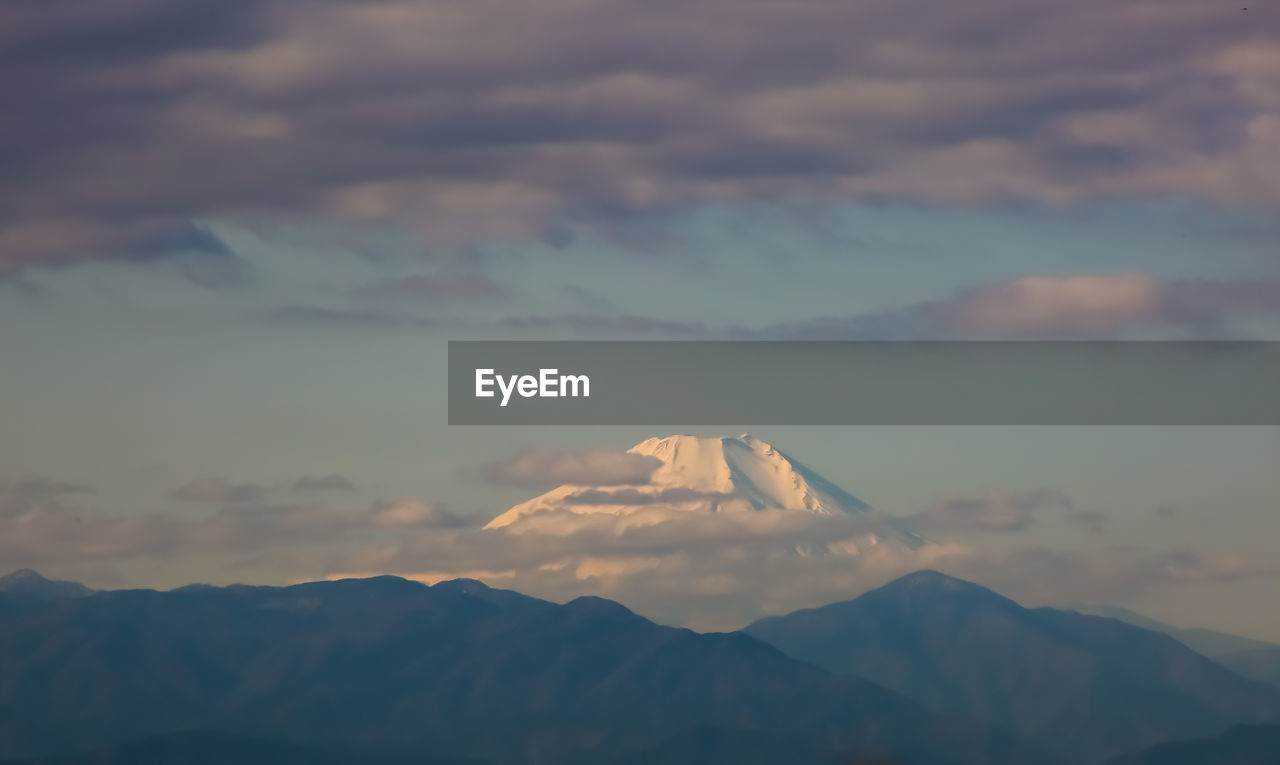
{"points": [[216, 271], [720, 571], [1046, 575], [573, 112], [446, 285], [326, 317], [411, 513], [1037, 305], [25, 495], [1080, 306], [57, 534], [383, 318], [1092, 521], [330, 482], [1093, 306], [707, 570], [40, 486], [612, 324], [218, 490], [997, 510], [701, 566], [1189, 566], [23, 287], [1056, 307], [38, 530], [545, 467]]}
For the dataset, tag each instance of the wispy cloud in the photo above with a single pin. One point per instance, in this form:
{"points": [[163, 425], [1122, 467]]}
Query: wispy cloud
{"points": [[1053, 307], [446, 285], [25, 495], [606, 323], [327, 482], [413, 513], [996, 510], [214, 489], [543, 467], [346, 318]]}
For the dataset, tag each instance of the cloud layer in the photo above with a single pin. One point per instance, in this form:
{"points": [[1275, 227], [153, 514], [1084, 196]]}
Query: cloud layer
{"points": [[541, 468], [486, 119], [997, 510], [218, 490], [1082, 306], [709, 570]]}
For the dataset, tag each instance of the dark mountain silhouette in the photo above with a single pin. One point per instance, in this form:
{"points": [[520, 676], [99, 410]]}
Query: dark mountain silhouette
{"points": [[388, 665], [1242, 745], [202, 748], [708, 744], [1089, 687], [26, 584]]}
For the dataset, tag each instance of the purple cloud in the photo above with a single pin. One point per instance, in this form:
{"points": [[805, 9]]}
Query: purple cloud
{"points": [[130, 118]]}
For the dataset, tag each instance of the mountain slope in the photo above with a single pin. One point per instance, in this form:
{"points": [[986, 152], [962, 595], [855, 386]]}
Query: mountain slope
{"points": [[452, 669], [26, 584], [1090, 687], [1261, 664], [705, 475], [1242, 745], [708, 744], [1254, 659], [1211, 643]]}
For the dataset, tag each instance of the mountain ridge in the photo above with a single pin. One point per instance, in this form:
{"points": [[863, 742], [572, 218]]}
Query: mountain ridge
{"points": [[385, 662], [1211, 643], [1094, 686], [28, 584]]}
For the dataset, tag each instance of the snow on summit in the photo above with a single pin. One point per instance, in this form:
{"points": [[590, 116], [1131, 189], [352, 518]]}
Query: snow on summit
{"points": [[740, 478]]}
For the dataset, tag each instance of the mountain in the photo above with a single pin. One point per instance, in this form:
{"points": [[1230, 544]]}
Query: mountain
{"points": [[1261, 664], [1254, 659], [1208, 642], [26, 584], [1242, 745], [707, 475], [709, 744], [392, 666], [205, 748], [1087, 686]]}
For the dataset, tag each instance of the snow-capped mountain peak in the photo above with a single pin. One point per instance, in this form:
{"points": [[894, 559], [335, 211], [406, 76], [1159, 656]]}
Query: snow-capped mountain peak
{"points": [[695, 474], [746, 466]]}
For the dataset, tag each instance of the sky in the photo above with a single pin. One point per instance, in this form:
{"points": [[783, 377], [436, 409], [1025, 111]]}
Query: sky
{"points": [[236, 236]]}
